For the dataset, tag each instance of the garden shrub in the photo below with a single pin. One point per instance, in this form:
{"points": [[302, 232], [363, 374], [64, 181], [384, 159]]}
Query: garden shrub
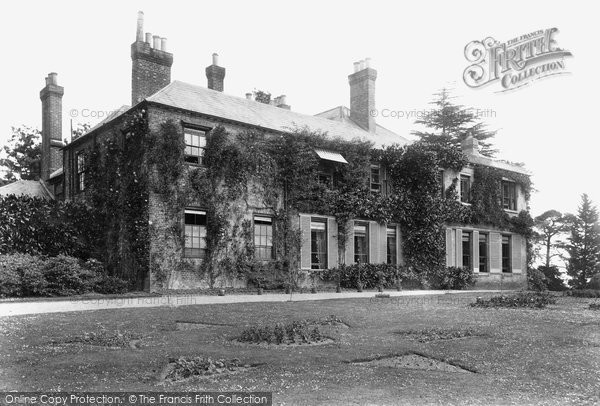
{"points": [[587, 293], [295, 332], [452, 278], [535, 300], [594, 282], [23, 275], [553, 279], [183, 368], [536, 280], [594, 306], [371, 276]]}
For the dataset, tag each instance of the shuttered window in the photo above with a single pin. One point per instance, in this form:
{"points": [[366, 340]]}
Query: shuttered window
{"points": [[361, 243], [506, 251], [318, 244], [466, 250], [483, 253], [392, 252]]}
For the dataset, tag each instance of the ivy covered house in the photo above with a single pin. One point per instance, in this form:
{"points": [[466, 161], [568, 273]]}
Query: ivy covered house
{"points": [[195, 188]]}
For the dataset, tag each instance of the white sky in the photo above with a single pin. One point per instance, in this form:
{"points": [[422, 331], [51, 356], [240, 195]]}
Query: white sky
{"points": [[306, 49]]}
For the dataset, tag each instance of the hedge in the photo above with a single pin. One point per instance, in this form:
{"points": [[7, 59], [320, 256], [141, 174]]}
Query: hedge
{"points": [[23, 275]]}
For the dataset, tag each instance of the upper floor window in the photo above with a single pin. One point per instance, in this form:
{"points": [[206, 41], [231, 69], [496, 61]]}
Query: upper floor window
{"points": [[318, 244], [81, 171], [392, 252], [506, 254], [263, 238], [375, 181], [195, 144], [509, 195], [195, 234], [441, 183], [465, 188], [361, 243]]}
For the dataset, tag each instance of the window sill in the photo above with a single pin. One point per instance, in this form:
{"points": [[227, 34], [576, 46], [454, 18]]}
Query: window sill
{"points": [[511, 211], [465, 203]]}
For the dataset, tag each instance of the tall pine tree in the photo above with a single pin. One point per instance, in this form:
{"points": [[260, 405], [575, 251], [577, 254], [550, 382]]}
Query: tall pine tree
{"points": [[449, 124], [584, 245]]}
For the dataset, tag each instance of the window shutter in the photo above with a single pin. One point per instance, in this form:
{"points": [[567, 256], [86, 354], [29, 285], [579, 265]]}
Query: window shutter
{"points": [[350, 244], [475, 249], [383, 243], [373, 242], [495, 252], [399, 250], [449, 248], [305, 247], [332, 243], [515, 251], [458, 241]]}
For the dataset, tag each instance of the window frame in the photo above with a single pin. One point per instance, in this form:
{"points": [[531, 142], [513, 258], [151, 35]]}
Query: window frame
{"points": [[366, 242], [391, 258], [266, 221], [469, 246], [321, 256], [486, 251], [379, 184], [201, 148], [442, 185], [80, 170], [508, 268], [512, 200], [465, 196], [202, 251]]}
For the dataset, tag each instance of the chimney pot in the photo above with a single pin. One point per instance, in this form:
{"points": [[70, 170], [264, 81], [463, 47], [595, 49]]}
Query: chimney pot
{"points": [[149, 38], [163, 44], [368, 62], [139, 35], [215, 59], [156, 40], [249, 96], [356, 66]]}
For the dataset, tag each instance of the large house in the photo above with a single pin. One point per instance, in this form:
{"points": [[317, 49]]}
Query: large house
{"points": [[494, 254]]}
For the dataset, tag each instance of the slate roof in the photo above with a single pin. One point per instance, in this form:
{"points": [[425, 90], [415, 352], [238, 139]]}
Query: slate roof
{"points": [[33, 188], [218, 104]]}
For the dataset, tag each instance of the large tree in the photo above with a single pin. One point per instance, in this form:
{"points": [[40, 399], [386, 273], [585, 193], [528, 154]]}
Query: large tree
{"points": [[550, 226], [584, 245], [22, 155], [448, 124]]}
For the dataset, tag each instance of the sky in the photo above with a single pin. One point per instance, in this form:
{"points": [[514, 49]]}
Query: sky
{"points": [[306, 51]]}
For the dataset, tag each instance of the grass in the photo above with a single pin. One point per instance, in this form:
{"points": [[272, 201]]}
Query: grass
{"points": [[521, 356]]}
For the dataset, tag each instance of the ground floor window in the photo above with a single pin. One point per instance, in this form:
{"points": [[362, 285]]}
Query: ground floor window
{"points": [[391, 245], [506, 267], [195, 234], [361, 243], [466, 250], [263, 238], [483, 253], [318, 244]]}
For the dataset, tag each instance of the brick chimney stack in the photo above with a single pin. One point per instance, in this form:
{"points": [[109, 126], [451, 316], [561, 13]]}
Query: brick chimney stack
{"points": [[215, 74], [470, 146], [151, 63], [51, 97], [362, 95]]}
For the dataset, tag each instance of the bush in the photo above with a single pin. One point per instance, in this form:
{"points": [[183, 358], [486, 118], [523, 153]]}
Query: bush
{"points": [[587, 293], [295, 332], [536, 280], [535, 300], [594, 282], [452, 278], [553, 279], [29, 275], [371, 276]]}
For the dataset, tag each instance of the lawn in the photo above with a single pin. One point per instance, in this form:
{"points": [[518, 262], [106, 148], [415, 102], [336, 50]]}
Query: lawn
{"points": [[508, 356]]}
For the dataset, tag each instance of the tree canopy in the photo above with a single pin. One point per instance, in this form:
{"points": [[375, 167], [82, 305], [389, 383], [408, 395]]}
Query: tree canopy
{"points": [[584, 244], [449, 124], [22, 155]]}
